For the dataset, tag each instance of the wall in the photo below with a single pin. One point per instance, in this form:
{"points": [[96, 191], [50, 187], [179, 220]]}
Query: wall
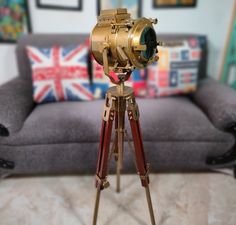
{"points": [[8, 67], [207, 18]]}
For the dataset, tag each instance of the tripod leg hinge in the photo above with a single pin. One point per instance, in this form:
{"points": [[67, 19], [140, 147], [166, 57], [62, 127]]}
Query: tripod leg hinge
{"points": [[145, 178], [108, 114], [133, 114]]}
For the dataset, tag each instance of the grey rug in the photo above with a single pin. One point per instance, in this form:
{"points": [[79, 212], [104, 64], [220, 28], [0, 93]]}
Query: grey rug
{"points": [[178, 199]]}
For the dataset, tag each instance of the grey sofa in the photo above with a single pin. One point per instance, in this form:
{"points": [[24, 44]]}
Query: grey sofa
{"points": [[190, 133]]}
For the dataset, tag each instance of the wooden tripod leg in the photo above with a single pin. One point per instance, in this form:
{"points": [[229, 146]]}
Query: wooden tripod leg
{"points": [[133, 115], [102, 164], [117, 156], [116, 153], [120, 123]]}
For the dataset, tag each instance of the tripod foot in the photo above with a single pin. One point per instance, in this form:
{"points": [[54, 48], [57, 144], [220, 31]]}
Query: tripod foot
{"points": [[95, 214], [149, 200]]}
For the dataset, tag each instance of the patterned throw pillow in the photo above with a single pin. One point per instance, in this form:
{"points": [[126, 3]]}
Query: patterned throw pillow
{"points": [[101, 82], [60, 73], [176, 71]]}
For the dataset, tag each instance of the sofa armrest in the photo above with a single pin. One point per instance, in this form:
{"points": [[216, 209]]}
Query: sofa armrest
{"points": [[218, 101], [16, 102]]}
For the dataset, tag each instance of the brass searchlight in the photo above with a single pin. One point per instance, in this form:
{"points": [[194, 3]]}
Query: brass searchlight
{"points": [[121, 43]]}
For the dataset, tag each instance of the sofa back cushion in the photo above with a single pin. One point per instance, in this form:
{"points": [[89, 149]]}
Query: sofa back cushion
{"points": [[49, 40]]}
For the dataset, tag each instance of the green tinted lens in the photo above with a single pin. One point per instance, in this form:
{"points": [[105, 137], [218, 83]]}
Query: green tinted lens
{"points": [[148, 38]]}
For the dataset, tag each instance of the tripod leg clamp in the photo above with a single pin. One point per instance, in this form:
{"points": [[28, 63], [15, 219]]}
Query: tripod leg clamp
{"points": [[102, 183]]}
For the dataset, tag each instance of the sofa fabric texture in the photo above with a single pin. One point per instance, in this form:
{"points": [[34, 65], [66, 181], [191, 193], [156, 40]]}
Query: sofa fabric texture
{"points": [[218, 101], [81, 158], [179, 132], [162, 120], [16, 103]]}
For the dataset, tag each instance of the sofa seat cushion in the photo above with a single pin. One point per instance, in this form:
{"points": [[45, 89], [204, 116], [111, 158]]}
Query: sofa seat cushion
{"points": [[172, 119], [177, 119]]}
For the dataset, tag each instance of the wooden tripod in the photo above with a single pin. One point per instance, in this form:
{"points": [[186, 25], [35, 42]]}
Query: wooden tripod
{"points": [[118, 100]]}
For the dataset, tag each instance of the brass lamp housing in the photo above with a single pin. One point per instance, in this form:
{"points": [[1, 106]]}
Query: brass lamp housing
{"points": [[116, 41]]}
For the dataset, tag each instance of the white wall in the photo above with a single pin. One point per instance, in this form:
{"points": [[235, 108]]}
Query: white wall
{"points": [[48, 21], [210, 17], [8, 68]]}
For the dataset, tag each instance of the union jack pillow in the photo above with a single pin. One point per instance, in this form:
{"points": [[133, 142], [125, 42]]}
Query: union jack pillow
{"points": [[176, 71], [101, 82], [60, 73]]}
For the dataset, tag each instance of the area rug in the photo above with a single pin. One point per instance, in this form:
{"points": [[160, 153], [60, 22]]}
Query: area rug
{"points": [[178, 199]]}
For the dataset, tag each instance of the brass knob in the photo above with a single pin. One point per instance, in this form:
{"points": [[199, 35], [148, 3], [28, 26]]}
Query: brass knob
{"points": [[106, 184]]}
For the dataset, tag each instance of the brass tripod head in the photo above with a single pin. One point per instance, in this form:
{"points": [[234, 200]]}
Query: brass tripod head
{"points": [[122, 44]]}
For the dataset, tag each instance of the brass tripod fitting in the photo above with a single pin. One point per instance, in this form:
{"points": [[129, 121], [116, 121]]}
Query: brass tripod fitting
{"points": [[103, 183]]}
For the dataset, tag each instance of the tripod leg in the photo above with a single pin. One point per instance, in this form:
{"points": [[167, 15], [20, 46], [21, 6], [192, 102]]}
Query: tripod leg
{"points": [[149, 200], [95, 214], [102, 164], [120, 123], [117, 153], [133, 115]]}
